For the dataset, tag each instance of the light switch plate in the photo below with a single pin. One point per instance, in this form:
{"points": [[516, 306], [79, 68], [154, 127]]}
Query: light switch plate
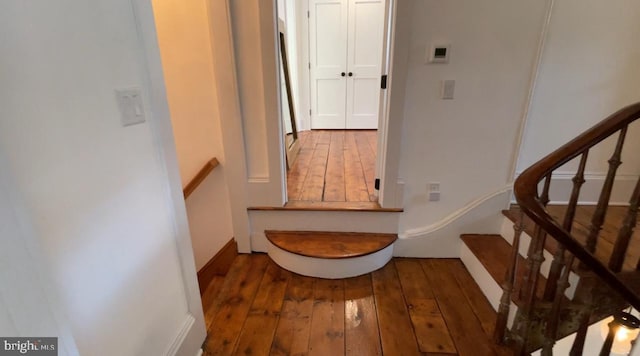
{"points": [[448, 89], [131, 106]]}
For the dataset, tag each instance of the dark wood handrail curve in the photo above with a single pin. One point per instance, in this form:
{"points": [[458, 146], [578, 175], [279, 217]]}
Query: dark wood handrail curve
{"points": [[526, 193], [199, 178]]}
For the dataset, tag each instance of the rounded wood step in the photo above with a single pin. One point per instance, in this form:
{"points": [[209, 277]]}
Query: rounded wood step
{"points": [[330, 254]]}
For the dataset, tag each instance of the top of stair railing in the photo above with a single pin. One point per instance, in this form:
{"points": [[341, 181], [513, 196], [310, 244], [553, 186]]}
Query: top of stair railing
{"points": [[526, 193]]}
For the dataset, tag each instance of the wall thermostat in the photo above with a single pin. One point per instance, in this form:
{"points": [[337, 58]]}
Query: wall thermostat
{"points": [[439, 53]]}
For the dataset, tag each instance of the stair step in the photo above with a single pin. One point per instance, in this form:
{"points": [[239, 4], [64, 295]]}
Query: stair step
{"points": [[330, 255], [514, 215], [330, 245], [494, 252]]}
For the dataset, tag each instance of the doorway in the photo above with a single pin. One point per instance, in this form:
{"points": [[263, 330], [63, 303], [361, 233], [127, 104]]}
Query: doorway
{"points": [[336, 54]]}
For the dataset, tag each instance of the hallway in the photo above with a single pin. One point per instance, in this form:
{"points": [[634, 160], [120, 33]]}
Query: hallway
{"points": [[334, 166], [409, 307]]}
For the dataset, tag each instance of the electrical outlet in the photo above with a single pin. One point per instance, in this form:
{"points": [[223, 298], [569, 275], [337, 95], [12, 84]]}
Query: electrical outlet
{"points": [[130, 104], [433, 190]]}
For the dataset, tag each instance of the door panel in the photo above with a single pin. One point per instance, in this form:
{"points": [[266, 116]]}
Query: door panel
{"points": [[364, 60], [328, 56], [364, 92]]}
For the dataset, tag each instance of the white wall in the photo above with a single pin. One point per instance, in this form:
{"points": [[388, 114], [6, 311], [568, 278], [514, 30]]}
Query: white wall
{"points": [[29, 302], [97, 192], [187, 59], [255, 48], [466, 144], [589, 70]]}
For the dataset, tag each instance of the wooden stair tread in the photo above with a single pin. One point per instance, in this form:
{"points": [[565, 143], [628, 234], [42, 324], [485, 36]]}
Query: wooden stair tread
{"points": [[580, 230], [330, 245], [494, 252]]}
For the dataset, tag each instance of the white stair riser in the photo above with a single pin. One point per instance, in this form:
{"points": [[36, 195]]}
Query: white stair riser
{"points": [[490, 288], [508, 234]]}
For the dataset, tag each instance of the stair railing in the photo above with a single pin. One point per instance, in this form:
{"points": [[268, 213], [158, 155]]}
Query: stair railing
{"points": [[604, 274]]}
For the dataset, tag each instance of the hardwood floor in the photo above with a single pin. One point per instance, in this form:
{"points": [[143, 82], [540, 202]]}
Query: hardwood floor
{"points": [[409, 307], [334, 166]]}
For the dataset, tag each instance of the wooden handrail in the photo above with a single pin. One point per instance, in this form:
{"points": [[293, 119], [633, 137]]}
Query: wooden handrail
{"points": [[526, 193], [202, 174]]}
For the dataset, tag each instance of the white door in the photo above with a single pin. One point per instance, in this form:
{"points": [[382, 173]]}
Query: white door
{"points": [[364, 61], [346, 40], [328, 61]]}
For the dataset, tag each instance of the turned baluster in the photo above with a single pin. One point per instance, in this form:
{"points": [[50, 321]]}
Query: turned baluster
{"points": [[530, 282], [536, 245], [507, 285], [624, 235], [603, 202], [561, 268], [558, 258], [554, 314]]}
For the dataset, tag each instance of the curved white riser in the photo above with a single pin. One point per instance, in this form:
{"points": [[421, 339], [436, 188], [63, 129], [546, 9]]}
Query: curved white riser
{"points": [[330, 268]]}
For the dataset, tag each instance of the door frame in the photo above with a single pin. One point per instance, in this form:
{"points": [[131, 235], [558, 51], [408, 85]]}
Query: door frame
{"points": [[389, 132]]}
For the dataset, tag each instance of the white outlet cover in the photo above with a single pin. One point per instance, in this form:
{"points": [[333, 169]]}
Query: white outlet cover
{"points": [[448, 89], [131, 106]]}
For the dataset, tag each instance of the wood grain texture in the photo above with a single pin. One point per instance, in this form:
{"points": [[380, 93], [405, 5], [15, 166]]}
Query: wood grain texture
{"points": [[331, 245], [429, 325], [396, 331], [262, 309], [476, 299], [292, 333], [334, 190], [334, 166], [355, 181], [257, 333], [218, 265], [230, 318], [526, 192], [368, 161], [327, 322], [361, 323], [200, 177], [313, 187], [462, 322]]}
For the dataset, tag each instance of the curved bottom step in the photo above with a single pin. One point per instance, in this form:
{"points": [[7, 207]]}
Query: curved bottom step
{"points": [[330, 255]]}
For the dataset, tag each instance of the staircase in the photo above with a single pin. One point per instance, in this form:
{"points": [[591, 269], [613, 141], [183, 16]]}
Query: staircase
{"points": [[560, 269]]}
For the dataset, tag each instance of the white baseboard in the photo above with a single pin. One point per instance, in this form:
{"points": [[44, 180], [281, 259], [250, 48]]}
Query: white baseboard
{"points": [[189, 338], [442, 238]]}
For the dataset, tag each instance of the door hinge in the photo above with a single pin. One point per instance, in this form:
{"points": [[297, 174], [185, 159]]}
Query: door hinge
{"points": [[308, 14], [309, 65], [376, 184], [383, 82], [309, 112]]}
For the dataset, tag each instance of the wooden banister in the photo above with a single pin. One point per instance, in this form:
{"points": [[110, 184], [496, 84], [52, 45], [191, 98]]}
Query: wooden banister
{"points": [[200, 177], [597, 277], [525, 190]]}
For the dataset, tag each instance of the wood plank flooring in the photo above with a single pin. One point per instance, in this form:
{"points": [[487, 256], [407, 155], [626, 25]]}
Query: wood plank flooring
{"points": [[409, 307], [334, 166]]}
